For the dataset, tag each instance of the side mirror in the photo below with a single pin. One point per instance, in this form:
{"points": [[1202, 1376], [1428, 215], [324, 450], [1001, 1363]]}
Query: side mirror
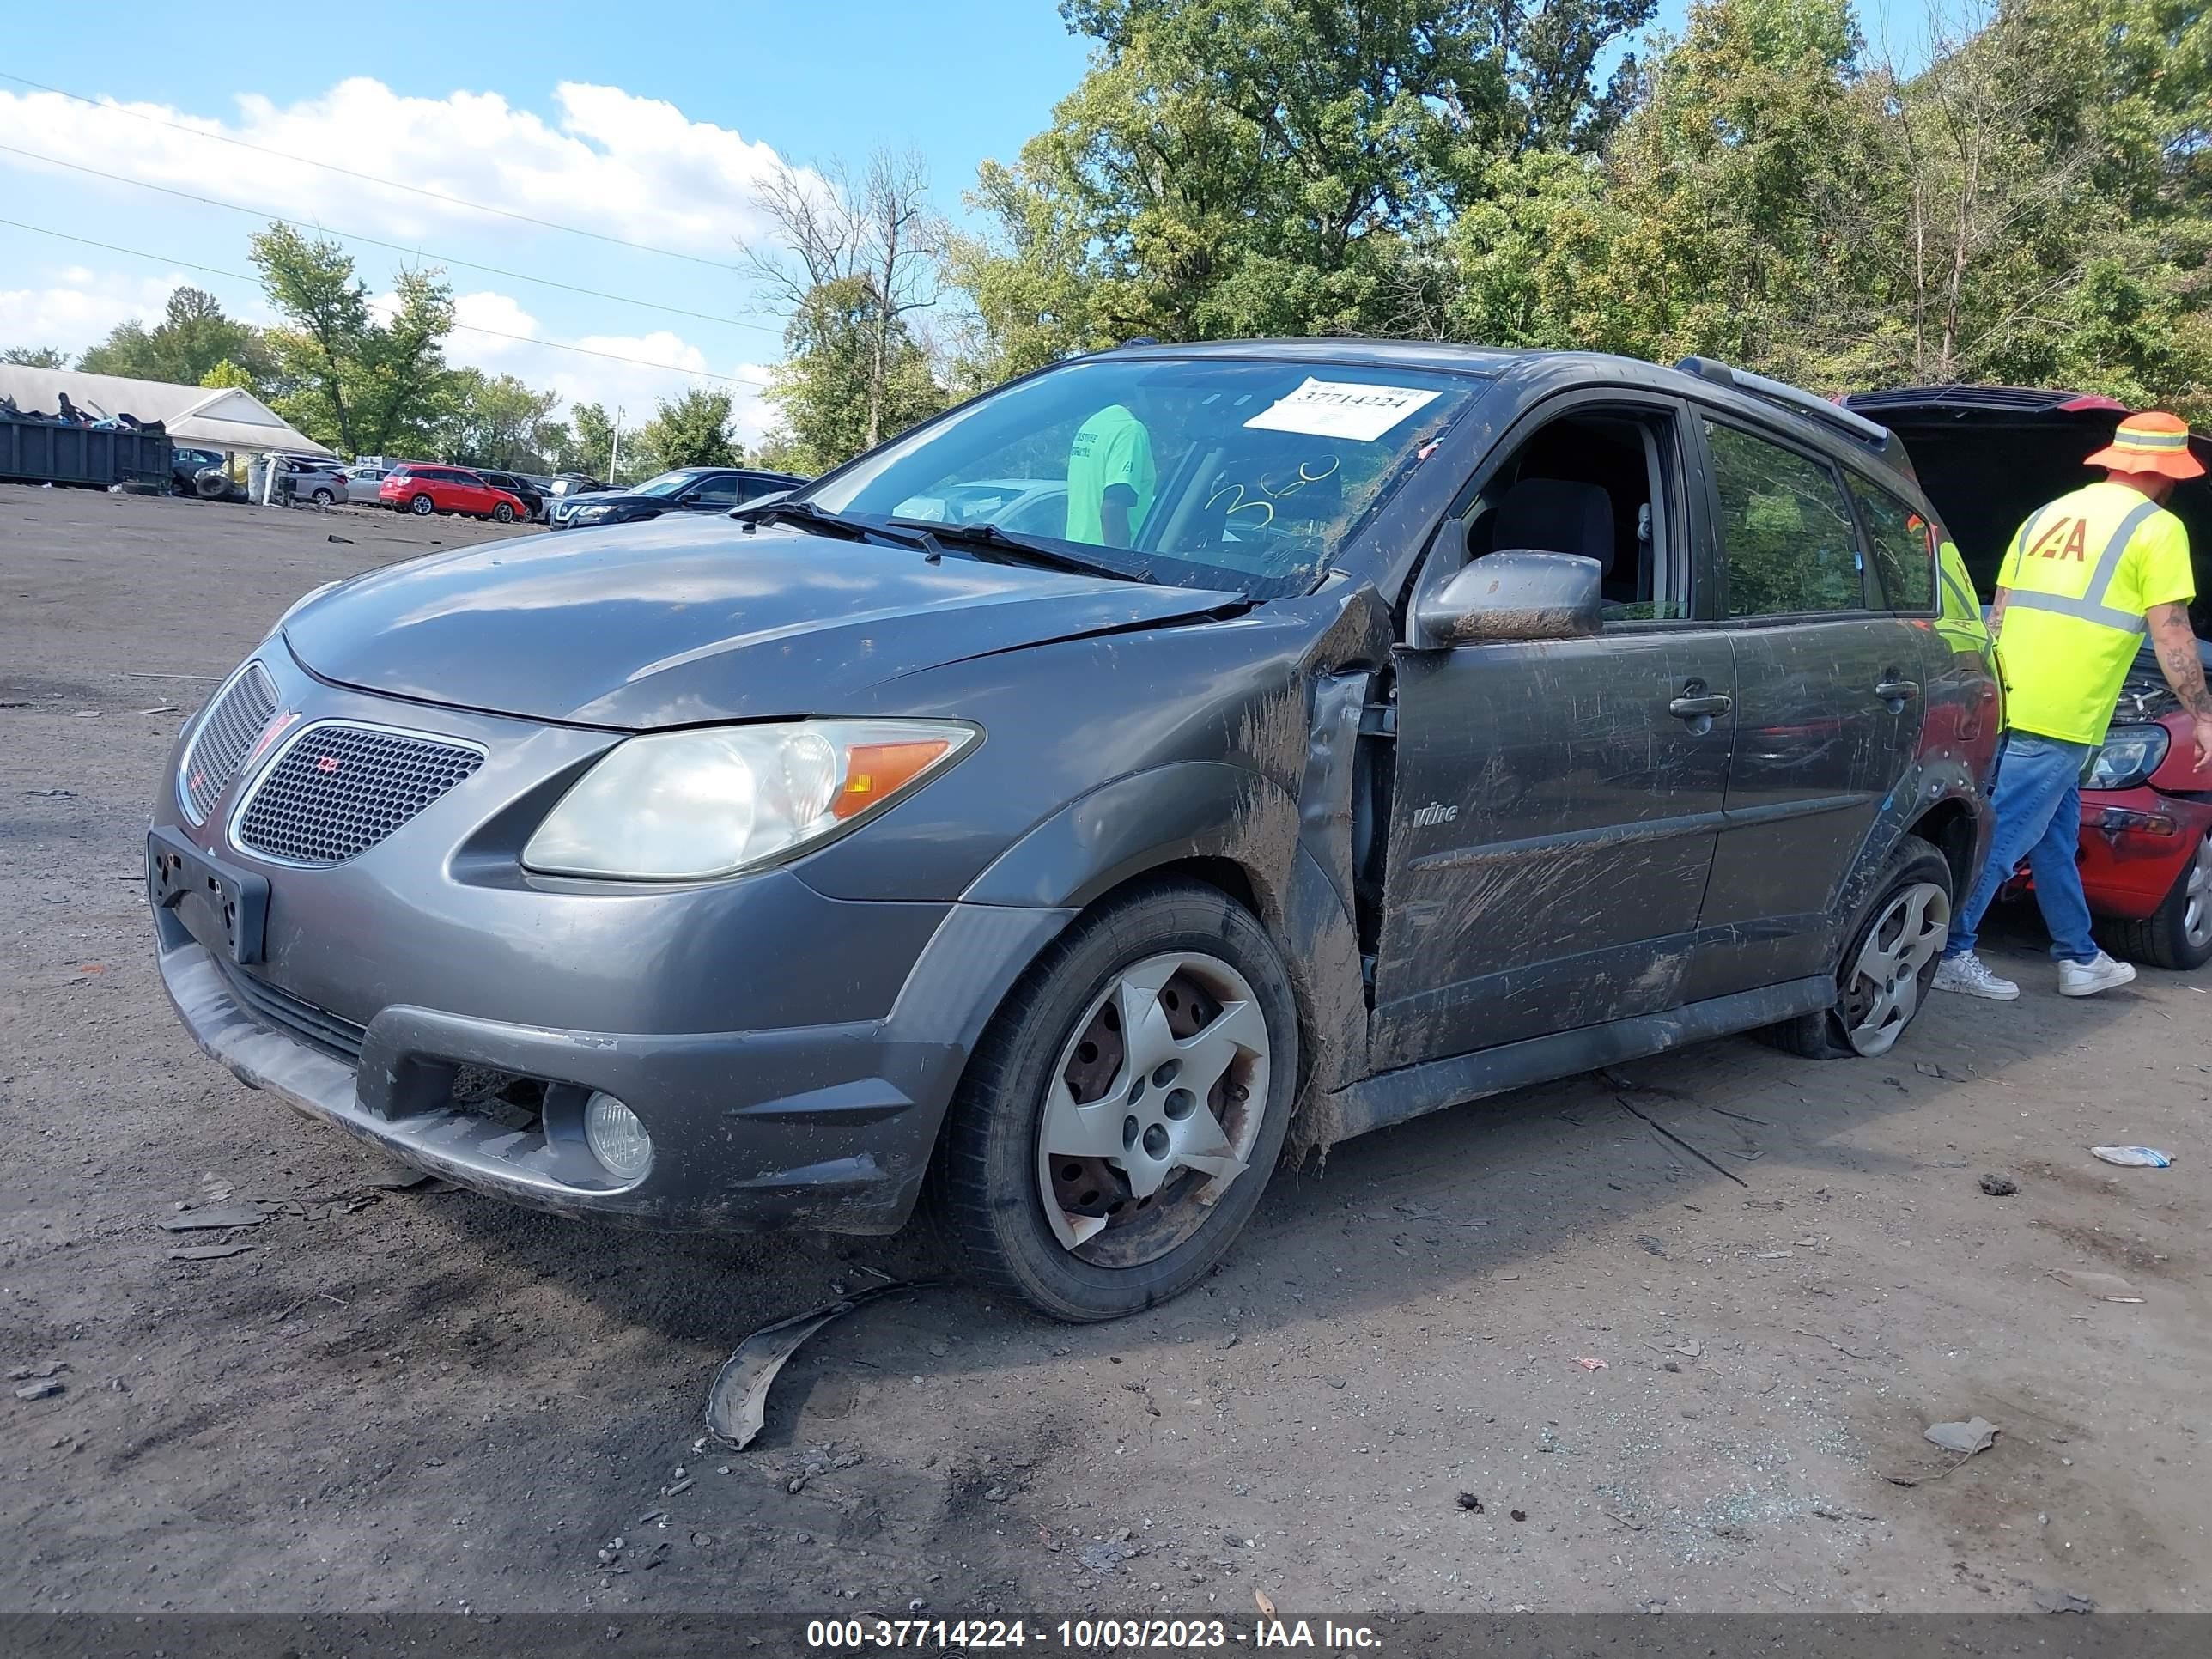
{"points": [[1517, 595]]}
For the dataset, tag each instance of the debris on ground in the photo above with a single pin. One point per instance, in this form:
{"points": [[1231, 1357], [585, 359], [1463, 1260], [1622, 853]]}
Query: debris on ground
{"points": [[47, 1388], [223, 1215], [1650, 1244], [1689, 1350], [1997, 1186], [401, 1180], [1589, 1364], [44, 1369], [2134, 1157], [2062, 1601], [2105, 1287], [1974, 1435], [207, 1252], [1661, 1129], [1519, 1515], [1470, 1503], [1265, 1602], [736, 1401]]}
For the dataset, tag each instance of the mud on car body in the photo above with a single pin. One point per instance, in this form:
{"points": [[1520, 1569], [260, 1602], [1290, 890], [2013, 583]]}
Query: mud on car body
{"points": [[1449, 720]]}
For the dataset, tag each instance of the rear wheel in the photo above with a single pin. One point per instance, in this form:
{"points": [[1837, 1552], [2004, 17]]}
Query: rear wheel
{"points": [[2179, 933], [322, 498], [421, 506], [503, 512], [1118, 1123], [1888, 965]]}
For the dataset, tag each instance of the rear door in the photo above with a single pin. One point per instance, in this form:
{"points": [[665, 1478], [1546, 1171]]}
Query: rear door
{"points": [[1556, 804], [1830, 690]]}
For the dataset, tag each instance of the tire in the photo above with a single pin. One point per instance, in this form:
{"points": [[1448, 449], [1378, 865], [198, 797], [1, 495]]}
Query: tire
{"points": [[421, 506], [2179, 933], [1173, 954], [1904, 924], [211, 486], [322, 498], [502, 512]]}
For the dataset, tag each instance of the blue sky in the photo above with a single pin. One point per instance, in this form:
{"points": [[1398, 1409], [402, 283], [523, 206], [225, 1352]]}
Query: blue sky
{"points": [[645, 122]]}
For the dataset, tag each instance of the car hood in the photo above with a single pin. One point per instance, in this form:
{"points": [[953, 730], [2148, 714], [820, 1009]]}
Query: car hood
{"points": [[679, 621]]}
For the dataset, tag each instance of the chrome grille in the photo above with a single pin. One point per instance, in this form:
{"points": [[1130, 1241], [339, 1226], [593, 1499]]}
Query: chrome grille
{"points": [[225, 732], [337, 789]]}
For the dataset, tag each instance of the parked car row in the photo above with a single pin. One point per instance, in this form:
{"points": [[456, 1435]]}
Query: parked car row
{"points": [[686, 490]]}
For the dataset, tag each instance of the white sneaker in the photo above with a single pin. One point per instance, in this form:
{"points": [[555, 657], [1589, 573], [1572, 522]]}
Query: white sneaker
{"points": [[2086, 979], [1970, 975]]}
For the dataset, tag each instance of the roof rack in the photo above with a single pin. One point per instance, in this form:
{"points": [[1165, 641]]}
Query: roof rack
{"points": [[1796, 399]]}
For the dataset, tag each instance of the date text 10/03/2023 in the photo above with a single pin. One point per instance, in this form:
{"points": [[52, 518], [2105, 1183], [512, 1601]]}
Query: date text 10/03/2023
{"points": [[1091, 1635]]}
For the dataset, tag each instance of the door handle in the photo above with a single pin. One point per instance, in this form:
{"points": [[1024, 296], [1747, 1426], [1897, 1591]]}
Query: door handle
{"points": [[1704, 706], [1897, 690]]}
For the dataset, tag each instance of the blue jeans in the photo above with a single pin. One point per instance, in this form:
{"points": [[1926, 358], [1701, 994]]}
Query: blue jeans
{"points": [[2038, 796]]}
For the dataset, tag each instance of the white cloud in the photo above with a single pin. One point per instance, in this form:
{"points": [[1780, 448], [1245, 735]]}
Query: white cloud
{"points": [[634, 168], [81, 308]]}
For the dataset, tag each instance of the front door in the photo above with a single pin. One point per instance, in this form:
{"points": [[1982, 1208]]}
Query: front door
{"points": [[1829, 699], [1556, 804]]}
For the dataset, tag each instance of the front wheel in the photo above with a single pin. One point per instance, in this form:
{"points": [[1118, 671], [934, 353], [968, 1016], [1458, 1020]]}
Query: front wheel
{"points": [[422, 507], [1888, 965], [502, 513], [2179, 933], [1117, 1124]]}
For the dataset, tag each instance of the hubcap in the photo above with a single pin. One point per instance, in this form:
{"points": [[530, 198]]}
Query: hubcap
{"points": [[1883, 992], [2197, 896], [1153, 1108]]}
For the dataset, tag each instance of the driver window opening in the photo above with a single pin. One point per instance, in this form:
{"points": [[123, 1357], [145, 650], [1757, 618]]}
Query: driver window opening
{"points": [[1591, 484]]}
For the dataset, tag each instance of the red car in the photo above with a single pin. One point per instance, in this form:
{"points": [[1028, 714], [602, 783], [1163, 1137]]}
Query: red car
{"points": [[1987, 457], [426, 489]]}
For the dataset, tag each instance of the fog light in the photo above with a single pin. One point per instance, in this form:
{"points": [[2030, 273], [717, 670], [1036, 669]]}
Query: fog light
{"points": [[616, 1138]]}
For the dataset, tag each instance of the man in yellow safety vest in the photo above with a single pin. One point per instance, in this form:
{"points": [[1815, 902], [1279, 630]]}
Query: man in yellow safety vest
{"points": [[2082, 580]]}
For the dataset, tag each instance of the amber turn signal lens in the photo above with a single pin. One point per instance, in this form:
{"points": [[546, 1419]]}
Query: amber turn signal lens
{"points": [[873, 770]]}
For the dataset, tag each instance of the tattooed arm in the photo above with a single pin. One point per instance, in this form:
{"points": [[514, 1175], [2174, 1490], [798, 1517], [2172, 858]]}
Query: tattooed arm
{"points": [[1997, 611], [2184, 668]]}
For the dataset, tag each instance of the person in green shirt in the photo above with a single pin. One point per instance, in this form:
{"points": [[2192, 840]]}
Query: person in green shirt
{"points": [[1111, 478]]}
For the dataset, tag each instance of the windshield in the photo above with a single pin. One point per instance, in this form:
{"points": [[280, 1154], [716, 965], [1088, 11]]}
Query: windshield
{"points": [[666, 484], [1237, 474]]}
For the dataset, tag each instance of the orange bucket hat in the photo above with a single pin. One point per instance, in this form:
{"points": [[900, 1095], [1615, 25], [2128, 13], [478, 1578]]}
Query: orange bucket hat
{"points": [[2154, 442]]}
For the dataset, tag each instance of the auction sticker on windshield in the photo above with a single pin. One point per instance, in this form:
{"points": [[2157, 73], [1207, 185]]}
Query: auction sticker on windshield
{"points": [[1341, 409]]}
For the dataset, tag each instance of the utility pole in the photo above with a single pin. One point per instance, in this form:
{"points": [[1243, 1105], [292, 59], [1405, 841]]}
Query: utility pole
{"points": [[614, 450]]}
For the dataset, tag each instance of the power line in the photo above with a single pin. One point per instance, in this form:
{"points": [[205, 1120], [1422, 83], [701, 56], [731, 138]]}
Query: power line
{"points": [[463, 328], [396, 247], [367, 178]]}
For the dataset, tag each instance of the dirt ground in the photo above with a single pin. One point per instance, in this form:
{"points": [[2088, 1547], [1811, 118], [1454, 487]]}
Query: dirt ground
{"points": [[416, 1400]]}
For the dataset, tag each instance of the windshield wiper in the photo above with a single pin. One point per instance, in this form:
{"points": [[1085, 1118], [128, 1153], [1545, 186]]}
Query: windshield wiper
{"points": [[837, 523], [989, 535]]}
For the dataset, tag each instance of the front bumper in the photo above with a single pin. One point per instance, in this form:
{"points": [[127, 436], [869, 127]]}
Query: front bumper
{"points": [[792, 1055]]}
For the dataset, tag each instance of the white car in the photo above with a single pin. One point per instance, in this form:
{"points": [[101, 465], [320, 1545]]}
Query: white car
{"points": [[361, 484]]}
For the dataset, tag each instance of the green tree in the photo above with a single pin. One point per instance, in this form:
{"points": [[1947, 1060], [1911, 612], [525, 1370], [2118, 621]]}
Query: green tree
{"points": [[846, 380], [228, 373], [594, 441], [692, 431], [1272, 166], [35, 357], [193, 336], [495, 420], [364, 387]]}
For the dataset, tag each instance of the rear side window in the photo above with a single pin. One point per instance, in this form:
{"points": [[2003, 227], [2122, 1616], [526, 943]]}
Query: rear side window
{"points": [[1785, 529], [1903, 546]]}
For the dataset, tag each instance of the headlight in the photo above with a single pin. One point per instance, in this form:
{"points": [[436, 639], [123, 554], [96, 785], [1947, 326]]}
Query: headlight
{"points": [[2130, 755], [691, 806]]}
